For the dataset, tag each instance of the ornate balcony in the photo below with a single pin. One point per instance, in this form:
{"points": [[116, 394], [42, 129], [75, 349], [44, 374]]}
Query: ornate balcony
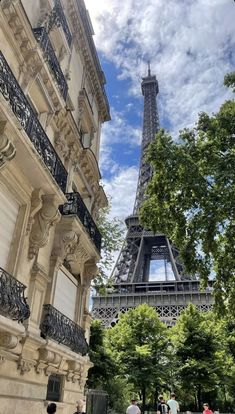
{"points": [[75, 205], [42, 37], [13, 304], [63, 330], [63, 22], [25, 114]]}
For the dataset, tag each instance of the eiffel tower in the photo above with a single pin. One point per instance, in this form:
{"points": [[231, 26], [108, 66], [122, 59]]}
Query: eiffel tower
{"points": [[148, 269]]}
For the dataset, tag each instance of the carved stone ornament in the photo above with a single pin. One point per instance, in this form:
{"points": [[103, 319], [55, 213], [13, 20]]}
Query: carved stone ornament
{"points": [[41, 367], [49, 356], [8, 340], [25, 365], [47, 361], [46, 217], [73, 377], [89, 272], [2, 359], [75, 366], [36, 205], [61, 145], [7, 149], [82, 254], [66, 243]]}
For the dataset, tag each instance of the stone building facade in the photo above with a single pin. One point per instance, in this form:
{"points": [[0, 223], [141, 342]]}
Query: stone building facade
{"points": [[52, 106]]}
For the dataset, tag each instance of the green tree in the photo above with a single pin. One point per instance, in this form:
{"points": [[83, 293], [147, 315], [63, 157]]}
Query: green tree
{"points": [[104, 367], [197, 351], [112, 238], [105, 373], [191, 197], [139, 346]]}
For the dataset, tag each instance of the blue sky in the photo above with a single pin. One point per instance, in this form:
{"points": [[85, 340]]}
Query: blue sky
{"points": [[191, 46]]}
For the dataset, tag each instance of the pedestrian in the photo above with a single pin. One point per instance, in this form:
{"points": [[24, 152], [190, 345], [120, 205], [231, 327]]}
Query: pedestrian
{"points": [[80, 408], [206, 409], [163, 407], [133, 408], [51, 408], [173, 404]]}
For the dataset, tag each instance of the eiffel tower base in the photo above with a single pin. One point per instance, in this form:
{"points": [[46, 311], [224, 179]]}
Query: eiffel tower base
{"points": [[168, 298]]}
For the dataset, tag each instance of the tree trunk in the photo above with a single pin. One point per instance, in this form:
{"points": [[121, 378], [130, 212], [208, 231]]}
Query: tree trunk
{"points": [[199, 397], [155, 399], [143, 392]]}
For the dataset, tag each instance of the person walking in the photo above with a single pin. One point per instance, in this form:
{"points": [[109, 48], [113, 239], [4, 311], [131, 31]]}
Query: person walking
{"points": [[163, 407], [173, 404], [80, 408], [206, 409], [51, 408], [133, 408]]}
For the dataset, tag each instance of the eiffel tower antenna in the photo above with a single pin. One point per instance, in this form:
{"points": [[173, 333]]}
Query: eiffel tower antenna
{"points": [[149, 70]]}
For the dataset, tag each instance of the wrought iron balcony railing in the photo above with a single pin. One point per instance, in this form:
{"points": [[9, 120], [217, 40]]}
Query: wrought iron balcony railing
{"points": [[56, 326], [13, 304], [42, 37], [75, 205], [25, 114], [63, 21]]}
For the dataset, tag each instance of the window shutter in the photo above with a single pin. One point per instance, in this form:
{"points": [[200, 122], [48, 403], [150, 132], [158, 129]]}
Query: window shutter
{"points": [[65, 294]]}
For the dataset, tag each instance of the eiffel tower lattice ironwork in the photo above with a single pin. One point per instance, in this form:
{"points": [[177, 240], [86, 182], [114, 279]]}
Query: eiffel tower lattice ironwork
{"points": [[148, 269]]}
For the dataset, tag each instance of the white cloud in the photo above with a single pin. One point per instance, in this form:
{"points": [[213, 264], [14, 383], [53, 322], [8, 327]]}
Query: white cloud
{"points": [[190, 44], [116, 132], [191, 47], [119, 130], [122, 189]]}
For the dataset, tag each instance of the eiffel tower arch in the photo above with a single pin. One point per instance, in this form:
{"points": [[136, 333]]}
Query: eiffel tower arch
{"points": [[148, 269]]}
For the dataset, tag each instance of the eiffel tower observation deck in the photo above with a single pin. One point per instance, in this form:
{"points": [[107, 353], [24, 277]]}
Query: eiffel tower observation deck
{"points": [[148, 269]]}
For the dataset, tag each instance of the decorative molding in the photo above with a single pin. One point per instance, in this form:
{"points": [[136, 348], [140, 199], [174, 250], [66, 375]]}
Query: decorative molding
{"points": [[8, 340], [45, 218], [41, 367], [39, 270], [25, 365], [2, 359], [89, 270], [7, 149], [75, 370], [36, 205], [65, 245], [48, 361], [82, 254], [61, 144]]}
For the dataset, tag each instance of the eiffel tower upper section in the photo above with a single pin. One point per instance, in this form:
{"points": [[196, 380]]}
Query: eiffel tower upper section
{"points": [[146, 256], [150, 90]]}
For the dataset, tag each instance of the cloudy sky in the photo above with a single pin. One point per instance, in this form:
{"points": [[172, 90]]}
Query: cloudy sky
{"points": [[191, 46]]}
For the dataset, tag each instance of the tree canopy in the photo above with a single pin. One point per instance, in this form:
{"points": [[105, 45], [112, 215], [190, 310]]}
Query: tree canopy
{"points": [[140, 357], [196, 347], [139, 345], [112, 238], [191, 197]]}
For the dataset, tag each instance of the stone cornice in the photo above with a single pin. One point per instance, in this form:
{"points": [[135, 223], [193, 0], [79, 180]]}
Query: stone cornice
{"points": [[84, 41]]}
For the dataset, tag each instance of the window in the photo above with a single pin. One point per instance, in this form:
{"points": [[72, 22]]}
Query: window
{"points": [[54, 387]]}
